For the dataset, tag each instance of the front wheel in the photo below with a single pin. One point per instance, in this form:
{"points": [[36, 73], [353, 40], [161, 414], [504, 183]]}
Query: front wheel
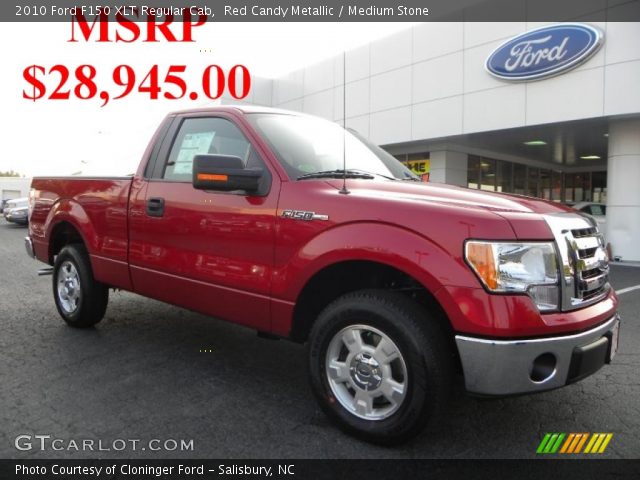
{"points": [[80, 299], [380, 365]]}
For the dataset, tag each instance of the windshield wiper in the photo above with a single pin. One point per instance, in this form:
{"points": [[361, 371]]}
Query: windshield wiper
{"points": [[395, 179], [378, 174], [337, 174]]}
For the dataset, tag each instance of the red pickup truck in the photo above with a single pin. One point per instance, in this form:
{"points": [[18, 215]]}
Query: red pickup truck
{"points": [[297, 228]]}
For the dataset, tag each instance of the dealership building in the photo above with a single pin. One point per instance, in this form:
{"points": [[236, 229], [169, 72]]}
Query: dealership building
{"points": [[14, 187], [566, 128]]}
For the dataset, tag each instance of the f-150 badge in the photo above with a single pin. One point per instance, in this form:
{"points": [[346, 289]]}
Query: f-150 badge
{"points": [[302, 215]]}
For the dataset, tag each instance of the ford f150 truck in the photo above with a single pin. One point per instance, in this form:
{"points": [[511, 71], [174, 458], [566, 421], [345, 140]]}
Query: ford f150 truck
{"points": [[298, 228]]}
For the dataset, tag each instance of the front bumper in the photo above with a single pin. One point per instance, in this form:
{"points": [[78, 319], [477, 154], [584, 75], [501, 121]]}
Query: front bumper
{"points": [[508, 367]]}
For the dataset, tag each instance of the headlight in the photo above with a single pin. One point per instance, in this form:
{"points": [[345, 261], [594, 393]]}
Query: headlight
{"points": [[517, 267]]}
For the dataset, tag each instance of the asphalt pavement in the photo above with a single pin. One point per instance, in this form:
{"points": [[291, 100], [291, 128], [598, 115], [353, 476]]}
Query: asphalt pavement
{"points": [[158, 376]]}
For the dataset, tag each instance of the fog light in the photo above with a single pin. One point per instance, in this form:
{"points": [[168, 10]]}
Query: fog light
{"points": [[543, 368]]}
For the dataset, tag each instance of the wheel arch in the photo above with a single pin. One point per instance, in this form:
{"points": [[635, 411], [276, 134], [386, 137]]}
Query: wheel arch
{"points": [[62, 234], [358, 256], [69, 223], [341, 278]]}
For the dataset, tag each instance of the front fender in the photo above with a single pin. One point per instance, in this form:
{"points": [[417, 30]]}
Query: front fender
{"points": [[417, 256]]}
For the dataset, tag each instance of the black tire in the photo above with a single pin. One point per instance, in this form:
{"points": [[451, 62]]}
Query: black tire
{"points": [[80, 307], [425, 352]]}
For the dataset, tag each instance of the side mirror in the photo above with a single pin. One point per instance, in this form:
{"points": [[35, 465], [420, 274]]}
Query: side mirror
{"points": [[224, 173]]}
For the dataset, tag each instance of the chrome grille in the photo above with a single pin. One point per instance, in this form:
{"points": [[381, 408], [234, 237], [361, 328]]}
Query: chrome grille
{"points": [[583, 259]]}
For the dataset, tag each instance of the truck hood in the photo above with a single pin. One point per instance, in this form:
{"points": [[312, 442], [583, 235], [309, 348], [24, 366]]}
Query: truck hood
{"points": [[523, 214], [453, 196]]}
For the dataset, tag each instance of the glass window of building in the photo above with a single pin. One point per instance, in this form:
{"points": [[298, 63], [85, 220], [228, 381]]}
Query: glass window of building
{"points": [[532, 182], [420, 164], [556, 186], [488, 174], [504, 176], [570, 187], [599, 182], [544, 189], [519, 178], [473, 172], [587, 189], [577, 187], [508, 177]]}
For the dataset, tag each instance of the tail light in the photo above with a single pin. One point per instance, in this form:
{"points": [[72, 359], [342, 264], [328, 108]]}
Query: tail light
{"points": [[32, 201]]}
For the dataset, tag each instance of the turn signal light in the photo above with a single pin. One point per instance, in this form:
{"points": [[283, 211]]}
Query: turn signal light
{"points": [[480, 256], [214, 178]]}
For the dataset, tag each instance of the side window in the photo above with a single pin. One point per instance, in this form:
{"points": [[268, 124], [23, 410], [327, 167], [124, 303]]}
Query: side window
{"points": [[202, 136], [597, 210]]}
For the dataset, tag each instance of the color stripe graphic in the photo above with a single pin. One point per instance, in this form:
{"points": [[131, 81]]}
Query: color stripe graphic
{"points": [[573, 443]]}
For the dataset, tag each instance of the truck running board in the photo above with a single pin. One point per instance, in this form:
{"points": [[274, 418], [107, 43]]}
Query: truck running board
{"points": [[45, 271]]}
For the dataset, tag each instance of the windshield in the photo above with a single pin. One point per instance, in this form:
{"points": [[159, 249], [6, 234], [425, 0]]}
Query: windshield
{"points": [[307, 145]]}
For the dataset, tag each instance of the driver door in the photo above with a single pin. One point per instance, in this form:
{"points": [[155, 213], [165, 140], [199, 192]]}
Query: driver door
{"points": [[207, 251]]}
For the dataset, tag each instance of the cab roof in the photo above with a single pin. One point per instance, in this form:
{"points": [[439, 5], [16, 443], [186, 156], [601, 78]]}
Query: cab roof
{"points": [[243, 109]]}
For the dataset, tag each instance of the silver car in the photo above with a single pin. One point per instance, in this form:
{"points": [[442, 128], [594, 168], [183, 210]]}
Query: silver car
{"points": [[17, 211], [596, 210]]}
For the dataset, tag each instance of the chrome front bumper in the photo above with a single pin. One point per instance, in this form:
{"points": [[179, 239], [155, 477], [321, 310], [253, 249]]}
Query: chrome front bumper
{"points": [[507, 367], [28, 245]]}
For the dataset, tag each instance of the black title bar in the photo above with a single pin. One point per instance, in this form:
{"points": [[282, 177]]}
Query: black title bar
{"points": [[318, 469], [328, 10]]}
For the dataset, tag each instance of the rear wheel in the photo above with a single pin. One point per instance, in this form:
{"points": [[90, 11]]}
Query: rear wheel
{"points": [[81, 300], [380, 366]]}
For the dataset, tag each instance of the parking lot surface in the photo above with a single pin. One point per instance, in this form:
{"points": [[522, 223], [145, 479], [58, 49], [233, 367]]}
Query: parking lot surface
{"points": [[151, 371]]}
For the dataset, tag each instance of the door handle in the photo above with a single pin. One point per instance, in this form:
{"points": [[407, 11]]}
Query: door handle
{"points": [[155, 207]]}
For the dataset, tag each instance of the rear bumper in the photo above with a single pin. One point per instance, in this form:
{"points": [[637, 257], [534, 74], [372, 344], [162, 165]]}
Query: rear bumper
{"points": [[28, 245], [508, 367]]}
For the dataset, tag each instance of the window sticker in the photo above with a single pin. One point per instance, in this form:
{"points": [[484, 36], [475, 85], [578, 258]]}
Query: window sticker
{"points": [[192, 144]]}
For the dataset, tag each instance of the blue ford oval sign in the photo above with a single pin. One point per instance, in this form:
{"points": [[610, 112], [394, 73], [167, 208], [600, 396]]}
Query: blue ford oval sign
{"points": [[544, 52]]}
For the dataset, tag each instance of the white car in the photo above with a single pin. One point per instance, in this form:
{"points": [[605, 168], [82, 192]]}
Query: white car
{"points": [[596, 210]]}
